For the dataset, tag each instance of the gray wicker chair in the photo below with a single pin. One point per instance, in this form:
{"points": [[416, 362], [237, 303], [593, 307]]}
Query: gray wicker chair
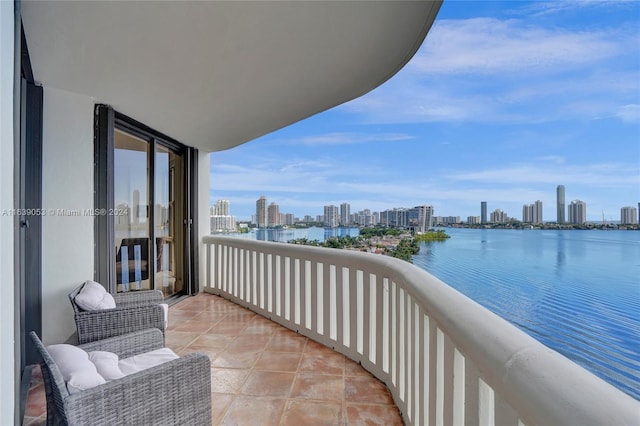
{"points": [[177, 392], [136, 310]]}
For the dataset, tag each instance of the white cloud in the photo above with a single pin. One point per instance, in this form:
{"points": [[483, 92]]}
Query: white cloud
{"points": [[286, 175], [629, 113], [490, 46], [486, 70], [607, 175], [546, 8], [351, 138]]}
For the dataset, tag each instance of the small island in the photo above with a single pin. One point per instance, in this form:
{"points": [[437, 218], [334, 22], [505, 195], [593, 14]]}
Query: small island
{"points": [[386, 241], [438, 235]]}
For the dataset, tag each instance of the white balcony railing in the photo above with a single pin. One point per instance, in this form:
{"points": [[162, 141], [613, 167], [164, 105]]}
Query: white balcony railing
{"points": [[445, 359]]}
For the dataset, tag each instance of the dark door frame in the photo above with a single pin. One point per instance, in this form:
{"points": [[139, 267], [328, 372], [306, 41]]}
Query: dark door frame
{"points": [[106, 121], [28, 221]]}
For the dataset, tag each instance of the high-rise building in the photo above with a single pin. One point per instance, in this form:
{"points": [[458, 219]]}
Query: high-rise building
{"points": [[273, 215], [345, 213], [123, 221], [421, 218], [483, 212], [221, 220], [578, 212], [532, 213], [527, 213], [498, 216], [384, 218], [221, 208], [363, 218], [394, 218], [446, 220], [473, 220], [161, 216], [628, 216], [288, 219], [261, 212], [537, 212], [560, 204], [368, 219], [331, 217], [221, 223]]}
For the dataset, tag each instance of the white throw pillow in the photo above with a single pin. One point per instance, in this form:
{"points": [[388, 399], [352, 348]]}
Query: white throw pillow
{"points": [[146, 360], [68, 358], [78, 372], [94, 297], [107, 364]]}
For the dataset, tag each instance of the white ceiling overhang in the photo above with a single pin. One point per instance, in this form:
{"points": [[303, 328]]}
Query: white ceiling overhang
{"points": [[216, 74]]}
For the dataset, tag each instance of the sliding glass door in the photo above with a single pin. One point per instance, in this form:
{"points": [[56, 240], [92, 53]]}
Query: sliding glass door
{"points": [[145, 183], [149, 214], [131, 215], [169, 220]]}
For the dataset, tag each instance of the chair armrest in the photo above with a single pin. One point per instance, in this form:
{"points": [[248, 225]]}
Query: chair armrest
{"points": [[130, 344], [136, 298], [98, 325], [176, 392]]}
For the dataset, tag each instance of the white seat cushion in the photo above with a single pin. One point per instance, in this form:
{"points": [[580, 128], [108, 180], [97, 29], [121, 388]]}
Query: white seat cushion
{"points": [[84, 370], [146, 360], [94, 297]]}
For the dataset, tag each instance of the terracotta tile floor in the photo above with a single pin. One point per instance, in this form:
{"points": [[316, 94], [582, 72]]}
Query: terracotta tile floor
{"points": [[264, 374]]}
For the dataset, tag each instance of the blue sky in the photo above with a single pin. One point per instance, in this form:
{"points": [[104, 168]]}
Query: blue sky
{"points": [[503, 102]]}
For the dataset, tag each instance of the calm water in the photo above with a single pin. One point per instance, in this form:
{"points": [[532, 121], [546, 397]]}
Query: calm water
{"points": [[578, 292]]}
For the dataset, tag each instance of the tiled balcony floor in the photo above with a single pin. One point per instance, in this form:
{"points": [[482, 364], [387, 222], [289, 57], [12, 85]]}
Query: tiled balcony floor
{"points": [[264, 374]]}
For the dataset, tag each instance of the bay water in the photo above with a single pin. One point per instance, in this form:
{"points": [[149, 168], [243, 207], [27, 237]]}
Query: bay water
{"points": [[576, 291]]}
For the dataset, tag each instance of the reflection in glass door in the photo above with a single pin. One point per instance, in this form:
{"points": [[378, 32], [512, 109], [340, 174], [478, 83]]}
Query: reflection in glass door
{"points": [[168, 221], [131, 214], [149, 241]]}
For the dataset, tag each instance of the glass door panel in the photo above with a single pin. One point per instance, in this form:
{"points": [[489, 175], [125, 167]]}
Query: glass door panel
{"points": [[169, 221], [131, 200]]}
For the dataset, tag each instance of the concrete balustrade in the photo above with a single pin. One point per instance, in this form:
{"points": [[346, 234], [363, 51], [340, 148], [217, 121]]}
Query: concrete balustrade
{"points": [[446, 359]]}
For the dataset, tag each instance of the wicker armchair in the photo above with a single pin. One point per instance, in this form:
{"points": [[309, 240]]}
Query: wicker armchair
{"points": [[177, 392], [137, 310]]}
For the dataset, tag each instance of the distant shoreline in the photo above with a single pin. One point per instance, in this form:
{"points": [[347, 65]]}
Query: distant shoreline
{"points": [[544, 226], [510, 225]]}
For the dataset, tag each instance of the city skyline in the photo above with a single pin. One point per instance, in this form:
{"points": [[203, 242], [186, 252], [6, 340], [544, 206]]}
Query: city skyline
{"points": [[503, 102], [529, 212]]}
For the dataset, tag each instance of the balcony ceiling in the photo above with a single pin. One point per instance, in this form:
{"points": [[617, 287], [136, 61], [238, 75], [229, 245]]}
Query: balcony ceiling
{"points": [[217, 74]]}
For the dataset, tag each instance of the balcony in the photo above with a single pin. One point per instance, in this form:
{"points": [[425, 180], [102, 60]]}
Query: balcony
{"points": [[271, 311], [444, 358], [263, 373]]}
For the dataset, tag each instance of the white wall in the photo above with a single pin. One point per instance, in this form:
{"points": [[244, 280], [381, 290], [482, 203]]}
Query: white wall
{"points": [[67, 183], [67, 174], [7, 336], [204, 225]]}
